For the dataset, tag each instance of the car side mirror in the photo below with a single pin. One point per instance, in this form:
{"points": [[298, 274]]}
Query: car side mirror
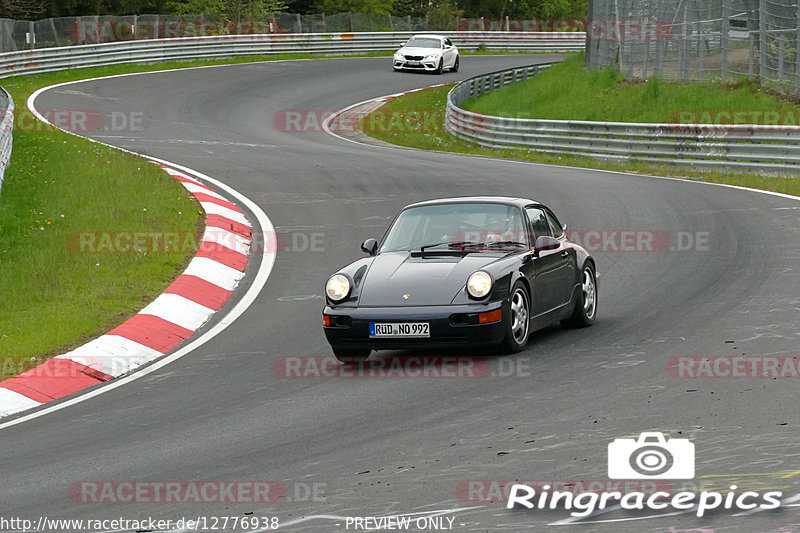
{"points": [[370, 246], [402, 44], [564, 226], [545, 243]]}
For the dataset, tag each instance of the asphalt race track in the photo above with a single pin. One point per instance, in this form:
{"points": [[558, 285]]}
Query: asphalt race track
{"points": [[377, 447]]}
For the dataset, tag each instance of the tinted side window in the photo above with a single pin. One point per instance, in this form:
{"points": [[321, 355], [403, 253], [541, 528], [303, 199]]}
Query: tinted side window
{"points": [[554, 223], [538, 220]]}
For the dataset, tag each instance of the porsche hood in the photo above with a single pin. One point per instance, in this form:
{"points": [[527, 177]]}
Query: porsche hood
{"points": [[402, 279]]}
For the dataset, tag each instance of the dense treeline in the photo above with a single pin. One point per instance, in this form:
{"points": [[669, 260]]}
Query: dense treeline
{"points": [[520, 9]]}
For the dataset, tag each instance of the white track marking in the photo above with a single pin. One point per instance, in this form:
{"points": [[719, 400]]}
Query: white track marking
{"points": [[226, 238], [215, 209], [192, 187], [14, 402], [179, 310], [214, 272], [112, 354]]}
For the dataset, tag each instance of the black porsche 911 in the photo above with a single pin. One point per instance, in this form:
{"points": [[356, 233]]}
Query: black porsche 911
{"points": [[473, 271]]}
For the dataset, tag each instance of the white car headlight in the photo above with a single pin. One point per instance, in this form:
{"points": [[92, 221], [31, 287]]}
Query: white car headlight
{"points": [[338, 287], [398, 55], [433, 57], [479, 284]]}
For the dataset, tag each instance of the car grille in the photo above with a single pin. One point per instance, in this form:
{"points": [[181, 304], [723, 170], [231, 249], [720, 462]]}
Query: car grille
{"points": [[414, 58]]}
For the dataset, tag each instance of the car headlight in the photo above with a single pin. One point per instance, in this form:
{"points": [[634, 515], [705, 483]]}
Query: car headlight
{"points": [[479, 284], [338, 287], [398, 55], [432, 58]]}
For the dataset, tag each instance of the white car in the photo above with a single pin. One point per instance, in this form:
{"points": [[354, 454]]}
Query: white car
{"points": [[430, 53]]}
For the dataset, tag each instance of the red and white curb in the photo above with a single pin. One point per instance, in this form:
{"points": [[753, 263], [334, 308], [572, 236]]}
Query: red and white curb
{"points": [[173, 317]]}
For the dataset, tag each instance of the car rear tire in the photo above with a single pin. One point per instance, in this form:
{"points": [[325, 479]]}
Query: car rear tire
{"points": [[440, 68], [586, 306], [518, 325], [455, 66], [349, 356]]}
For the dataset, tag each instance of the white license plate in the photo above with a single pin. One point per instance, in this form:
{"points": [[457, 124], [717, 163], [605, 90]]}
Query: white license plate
{"points": [[400, 329], [412, 63]]}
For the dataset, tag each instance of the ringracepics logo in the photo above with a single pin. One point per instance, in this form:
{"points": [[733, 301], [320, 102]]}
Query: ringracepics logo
{"points": [[651, 456]]}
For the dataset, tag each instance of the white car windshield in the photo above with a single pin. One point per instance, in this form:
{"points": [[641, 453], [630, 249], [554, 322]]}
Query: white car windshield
{"points": [[423, 43], [480, 226]]}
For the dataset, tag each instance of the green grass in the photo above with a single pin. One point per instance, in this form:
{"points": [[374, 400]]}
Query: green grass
{"points": [[58, 188], [416, 120], [605, 96]]}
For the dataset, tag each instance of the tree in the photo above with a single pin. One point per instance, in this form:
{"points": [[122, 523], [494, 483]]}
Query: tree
{"points": [[233, 9], [444, 16], [22, 9], [369, 7], [214, 8], [254, 9], [408, 8]]}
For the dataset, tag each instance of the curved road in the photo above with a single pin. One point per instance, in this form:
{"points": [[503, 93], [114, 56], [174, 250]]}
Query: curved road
{"points": [[374, 447]]}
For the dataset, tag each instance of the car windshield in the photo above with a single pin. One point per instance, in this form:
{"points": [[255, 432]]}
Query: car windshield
{"points": [[462, 226], [424, 43]]}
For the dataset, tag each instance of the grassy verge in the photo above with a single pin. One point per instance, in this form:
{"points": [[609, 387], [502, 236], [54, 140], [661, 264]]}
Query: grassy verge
{"points": [[605, 96], [60, 195], [416, 120]]}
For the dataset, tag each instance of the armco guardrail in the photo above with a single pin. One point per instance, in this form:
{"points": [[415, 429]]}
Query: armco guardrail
{"points": [[216, 47], [763, 149], [6, 130]]}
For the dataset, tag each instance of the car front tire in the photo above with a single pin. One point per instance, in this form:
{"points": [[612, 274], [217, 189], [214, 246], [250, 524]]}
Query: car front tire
{"points": [[440, 68], [455, 66], [518, 323], [586, 306]]}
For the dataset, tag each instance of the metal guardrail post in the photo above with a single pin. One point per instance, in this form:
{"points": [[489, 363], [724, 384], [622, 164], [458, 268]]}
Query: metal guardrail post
{"points": [[190, 48], [760, 149]]}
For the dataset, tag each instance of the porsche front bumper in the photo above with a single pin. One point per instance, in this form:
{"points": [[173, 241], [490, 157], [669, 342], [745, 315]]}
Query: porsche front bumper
{"points": [[450, 325]]}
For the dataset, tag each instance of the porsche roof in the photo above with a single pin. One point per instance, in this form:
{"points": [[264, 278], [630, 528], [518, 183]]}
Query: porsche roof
{"points": [[508, 200]]}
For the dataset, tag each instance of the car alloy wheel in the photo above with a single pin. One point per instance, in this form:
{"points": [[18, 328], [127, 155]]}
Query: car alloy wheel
{"points": [[589, 293], [586, 307], [518, 321]]}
